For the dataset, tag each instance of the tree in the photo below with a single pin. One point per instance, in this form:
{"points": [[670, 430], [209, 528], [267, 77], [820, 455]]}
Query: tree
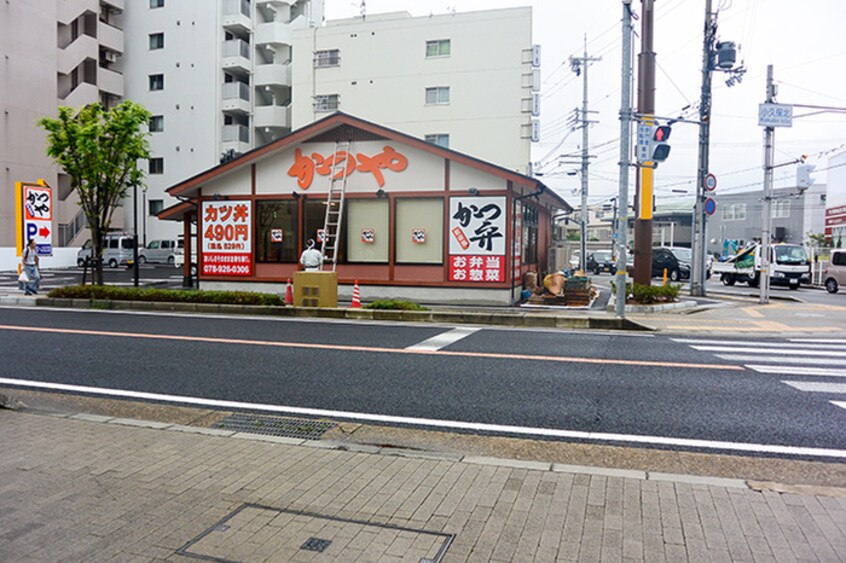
{"points": [[100, 150]]}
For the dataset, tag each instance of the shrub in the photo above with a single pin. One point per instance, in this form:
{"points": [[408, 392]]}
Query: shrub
{"points": [[646, 294], [165, 295], [396, 304]]}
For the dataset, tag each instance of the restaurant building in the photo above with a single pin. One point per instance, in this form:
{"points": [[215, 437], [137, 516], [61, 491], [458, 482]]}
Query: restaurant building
{"points": [[419, 221]]}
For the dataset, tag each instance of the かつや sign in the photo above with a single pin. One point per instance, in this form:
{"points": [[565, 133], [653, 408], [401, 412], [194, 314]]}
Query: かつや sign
{"points": [[227, 241]]}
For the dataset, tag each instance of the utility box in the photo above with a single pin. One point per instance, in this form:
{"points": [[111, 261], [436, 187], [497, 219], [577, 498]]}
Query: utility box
{"points": [[315, 289]]}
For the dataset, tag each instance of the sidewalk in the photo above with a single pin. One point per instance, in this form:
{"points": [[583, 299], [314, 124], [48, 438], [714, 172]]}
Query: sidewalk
{"points": [[97, 489]]}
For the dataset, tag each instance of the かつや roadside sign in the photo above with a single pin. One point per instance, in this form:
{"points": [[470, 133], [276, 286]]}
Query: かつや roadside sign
{"points": [[35, 216]]}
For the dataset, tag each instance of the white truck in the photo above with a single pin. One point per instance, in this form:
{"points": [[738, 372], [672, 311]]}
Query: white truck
{"points": [[789, 265]]}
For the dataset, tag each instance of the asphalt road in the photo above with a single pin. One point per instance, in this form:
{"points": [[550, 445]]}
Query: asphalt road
{"points": [[603, 387]]}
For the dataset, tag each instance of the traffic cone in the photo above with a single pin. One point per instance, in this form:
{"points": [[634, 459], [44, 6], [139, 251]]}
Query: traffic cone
{"points": [[289, 294], [356, 300]]}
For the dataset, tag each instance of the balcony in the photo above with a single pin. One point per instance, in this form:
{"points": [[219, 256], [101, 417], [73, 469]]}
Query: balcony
{"points": [[272, 116], [236, 56], [273, 33], [110, 81], [69, 11], [110, 36], [235, 137], [117, 5], [236, 15], [236, 97], [82, 95], [83, 47], [273, 75]]}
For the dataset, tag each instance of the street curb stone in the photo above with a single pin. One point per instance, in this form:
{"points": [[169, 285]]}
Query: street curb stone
{"points": [[266, 438], [696, 480], [140, 423], [512, 463], [91, 417], [599, 471], [200, 430]]}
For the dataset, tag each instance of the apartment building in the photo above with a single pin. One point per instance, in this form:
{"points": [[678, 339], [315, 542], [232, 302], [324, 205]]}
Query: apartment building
{"points": [[55, 52], [464, 81], [217, 78]]}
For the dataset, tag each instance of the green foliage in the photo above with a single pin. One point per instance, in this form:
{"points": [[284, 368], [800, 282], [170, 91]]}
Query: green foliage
{"points": [[816, 239], [647, 294], [100, 150], [573, 235], [165, 295], [395, 304]]}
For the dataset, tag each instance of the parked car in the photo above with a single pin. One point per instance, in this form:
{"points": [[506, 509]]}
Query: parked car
{"points": [[117, 251], [834, 274], [601, 261], [179, 257], [159, 251], [675, 260], [575, 260]]}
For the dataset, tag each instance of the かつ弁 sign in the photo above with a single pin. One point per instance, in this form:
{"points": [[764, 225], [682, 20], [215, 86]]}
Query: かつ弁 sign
{"points": [[477, 239]]}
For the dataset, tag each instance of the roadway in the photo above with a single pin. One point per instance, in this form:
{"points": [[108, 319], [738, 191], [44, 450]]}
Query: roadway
{"points": [[757, 396]]}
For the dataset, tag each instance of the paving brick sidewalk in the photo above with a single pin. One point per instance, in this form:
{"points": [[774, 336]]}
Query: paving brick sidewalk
{"points": [[81, 490]]}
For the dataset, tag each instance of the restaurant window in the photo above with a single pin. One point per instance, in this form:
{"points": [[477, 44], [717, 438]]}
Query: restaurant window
{"points": [[314, 218], [367, 230], [419, 231], [277, 231], [530, 235]]}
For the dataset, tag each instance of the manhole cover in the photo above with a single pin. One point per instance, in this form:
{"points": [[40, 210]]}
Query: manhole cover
{"points": [[301, 428], [256, 533]]}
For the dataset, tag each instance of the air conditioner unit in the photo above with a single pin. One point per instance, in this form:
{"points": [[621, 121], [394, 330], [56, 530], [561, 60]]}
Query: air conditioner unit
{"points": [[110, 56]]}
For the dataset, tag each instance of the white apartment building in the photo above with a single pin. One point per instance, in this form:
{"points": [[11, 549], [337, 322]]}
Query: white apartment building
{"points": [[217, 78], [55, 52], [463, 81]]}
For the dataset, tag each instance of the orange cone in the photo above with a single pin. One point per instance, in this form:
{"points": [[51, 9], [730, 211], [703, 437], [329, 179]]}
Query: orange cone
{"points": [[289, 294], [356, 300]]}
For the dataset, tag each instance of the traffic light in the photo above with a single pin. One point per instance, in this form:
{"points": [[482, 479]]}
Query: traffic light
{"points": [[803, 176], [660, 148]]}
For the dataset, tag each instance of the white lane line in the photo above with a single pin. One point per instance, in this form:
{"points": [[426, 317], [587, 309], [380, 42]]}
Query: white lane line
{"points": [[444, 339], [451, 424], [816, 387], [798, 370], [782, 351], [820, 340], [798, 361], [841, 404], [796, 345]]}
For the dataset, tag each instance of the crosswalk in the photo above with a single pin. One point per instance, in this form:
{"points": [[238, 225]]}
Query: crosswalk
{"points": [[818, 361]]}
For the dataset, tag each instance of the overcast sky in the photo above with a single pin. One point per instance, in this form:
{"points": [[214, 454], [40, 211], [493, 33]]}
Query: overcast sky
{"points": [[805, 41]]}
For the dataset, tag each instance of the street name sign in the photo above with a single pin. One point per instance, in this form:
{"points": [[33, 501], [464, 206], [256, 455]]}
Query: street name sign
{"points": [[775, 115]]}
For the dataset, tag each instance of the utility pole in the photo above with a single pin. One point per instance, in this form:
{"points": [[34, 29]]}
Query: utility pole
{"points": [[697, 274], [580, 65], [769, 154], [621, 207], [646, 108]]}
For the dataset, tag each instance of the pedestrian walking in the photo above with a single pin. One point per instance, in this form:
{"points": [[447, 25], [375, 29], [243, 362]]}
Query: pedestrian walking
{"points": [[30, 269], [311, 258]]}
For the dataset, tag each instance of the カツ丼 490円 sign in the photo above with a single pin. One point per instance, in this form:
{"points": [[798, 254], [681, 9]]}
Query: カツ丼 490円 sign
{"points": [[226, 238]]}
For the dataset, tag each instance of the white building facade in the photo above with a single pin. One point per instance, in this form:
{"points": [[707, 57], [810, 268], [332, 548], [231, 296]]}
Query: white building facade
{"points": [[835, 212], [57, 52], [217, 78], [463, 81]]}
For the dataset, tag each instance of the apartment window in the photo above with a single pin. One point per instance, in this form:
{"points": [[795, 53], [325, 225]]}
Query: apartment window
{"points": [[157, 124], [157, 165], [156, 41], [156, 82], [440, 139], [437, 48], [437, 95], [728, 213], [156, 205], [781, 209], [330, 57], [329, 102], [156, 3], [739, 211]]}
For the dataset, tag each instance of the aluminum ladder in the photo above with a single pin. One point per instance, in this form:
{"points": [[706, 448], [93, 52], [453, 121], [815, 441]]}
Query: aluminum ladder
{"points": [[335, 206]]}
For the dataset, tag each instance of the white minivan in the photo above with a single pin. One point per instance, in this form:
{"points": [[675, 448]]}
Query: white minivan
{"points": [[117, 251], [161, 251]]}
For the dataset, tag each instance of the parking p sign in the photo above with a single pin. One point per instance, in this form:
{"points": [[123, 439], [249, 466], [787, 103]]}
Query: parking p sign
{"points": [[35, 216]]}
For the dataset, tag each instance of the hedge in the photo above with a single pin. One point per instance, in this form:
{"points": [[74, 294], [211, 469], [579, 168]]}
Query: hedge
{"points": [[165, 295]]}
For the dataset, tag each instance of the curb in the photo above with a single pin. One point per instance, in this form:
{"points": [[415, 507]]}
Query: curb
{"points": [[529, 465], [516, 319]]}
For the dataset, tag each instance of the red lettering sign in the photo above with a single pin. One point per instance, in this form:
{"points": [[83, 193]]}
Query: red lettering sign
{"points": [[305, 166]]}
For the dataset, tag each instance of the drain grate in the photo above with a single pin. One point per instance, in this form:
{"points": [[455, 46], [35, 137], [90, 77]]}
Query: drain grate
{"points": [[301, 428], [316, 544]]}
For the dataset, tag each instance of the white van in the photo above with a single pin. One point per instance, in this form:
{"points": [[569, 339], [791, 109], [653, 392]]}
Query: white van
{"points": [[117, 251], [835, 274], [161, 251]]}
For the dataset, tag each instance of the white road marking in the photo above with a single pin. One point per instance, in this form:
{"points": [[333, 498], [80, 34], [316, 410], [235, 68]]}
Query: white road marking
{"points": [[749, 358], [444, 339], [821, 340], [797, 345], [841, 404], [798, 370], [815, 387], [781, 351], [451, 424]]}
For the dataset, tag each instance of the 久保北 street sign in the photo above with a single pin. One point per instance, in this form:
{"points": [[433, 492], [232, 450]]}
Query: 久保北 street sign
{"points": [[35, 216], [775, 115]]}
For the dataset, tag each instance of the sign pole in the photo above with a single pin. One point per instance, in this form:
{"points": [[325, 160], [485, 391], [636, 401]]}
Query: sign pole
{"points": [[769, 153]]}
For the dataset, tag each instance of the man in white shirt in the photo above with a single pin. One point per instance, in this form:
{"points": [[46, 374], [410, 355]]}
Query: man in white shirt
{"points": [[311, 258]]}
